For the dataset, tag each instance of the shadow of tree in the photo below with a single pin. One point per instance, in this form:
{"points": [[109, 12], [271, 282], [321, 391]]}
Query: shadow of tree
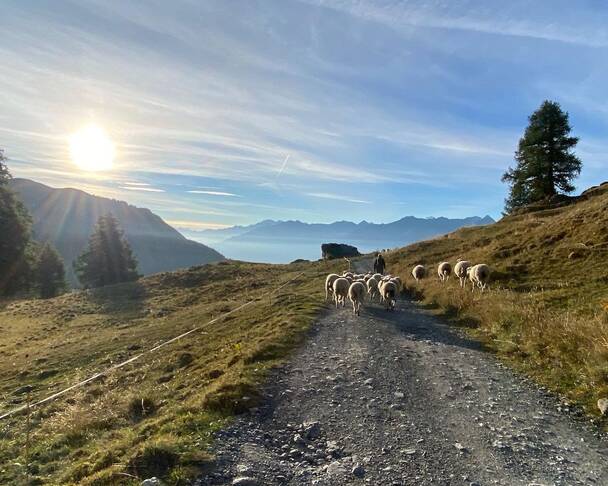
{"points": [[125, 299]]}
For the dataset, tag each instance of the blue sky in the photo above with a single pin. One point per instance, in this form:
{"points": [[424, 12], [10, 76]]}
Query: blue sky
{"points": [[228, 112]]}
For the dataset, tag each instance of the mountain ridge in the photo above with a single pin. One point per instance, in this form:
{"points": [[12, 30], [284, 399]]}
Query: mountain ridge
{"points": [[66, 217], [350, 229]]}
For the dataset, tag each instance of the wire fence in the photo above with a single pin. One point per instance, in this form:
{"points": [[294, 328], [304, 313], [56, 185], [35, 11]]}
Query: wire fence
{"points": [[30, 405]]}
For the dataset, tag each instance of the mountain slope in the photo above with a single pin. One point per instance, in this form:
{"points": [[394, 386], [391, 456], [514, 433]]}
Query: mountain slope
{"points": [[547, 310], [66, 217]]}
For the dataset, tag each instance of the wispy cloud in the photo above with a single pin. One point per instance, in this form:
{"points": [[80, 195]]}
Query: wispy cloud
{"points": [[213, 193], [318, 94], [336, 197], [142, 184], [517, 18], [141, 188]]}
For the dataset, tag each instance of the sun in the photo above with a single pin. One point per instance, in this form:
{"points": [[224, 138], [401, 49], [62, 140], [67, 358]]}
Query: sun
{"points": [[91, 149]]}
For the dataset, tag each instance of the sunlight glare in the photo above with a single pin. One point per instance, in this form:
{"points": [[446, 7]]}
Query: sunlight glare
{"points": [[91, 149]]}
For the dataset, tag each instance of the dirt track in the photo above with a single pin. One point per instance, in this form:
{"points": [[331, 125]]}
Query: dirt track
{"points": [[400, 398]]}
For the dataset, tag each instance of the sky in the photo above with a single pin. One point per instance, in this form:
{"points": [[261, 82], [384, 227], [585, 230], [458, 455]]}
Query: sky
{"points": [[229, 112]]}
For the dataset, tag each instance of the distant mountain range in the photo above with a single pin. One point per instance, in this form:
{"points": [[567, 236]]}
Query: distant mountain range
{"points": [[306, 238], [66, 218]]}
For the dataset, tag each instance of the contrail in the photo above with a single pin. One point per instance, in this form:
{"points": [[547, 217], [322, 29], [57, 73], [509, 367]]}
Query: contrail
{"points": [[283, 166]]}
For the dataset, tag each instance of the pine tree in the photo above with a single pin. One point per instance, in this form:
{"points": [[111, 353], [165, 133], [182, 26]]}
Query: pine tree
{"points": [[50, 272], [546, 165], [108, 258], [15, 237]]}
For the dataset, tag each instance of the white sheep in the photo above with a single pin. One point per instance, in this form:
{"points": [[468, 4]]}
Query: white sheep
{"points": [[389, 295], [479, 275], [418, 272], [397, 282], [329, 284], [377, 276], [380, 285], [347, 274], [356, 294], [372, 288], [341, 286], [460, 270], [444, 270]]}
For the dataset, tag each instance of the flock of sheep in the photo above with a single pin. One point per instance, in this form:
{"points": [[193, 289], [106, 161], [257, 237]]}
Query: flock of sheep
{"points": [[385, 288], [356, 287]]}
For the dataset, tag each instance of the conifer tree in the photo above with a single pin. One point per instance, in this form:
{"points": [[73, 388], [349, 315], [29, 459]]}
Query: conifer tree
{"points": [[50, 272], [546, 164], [108, 259], [15, 237]]}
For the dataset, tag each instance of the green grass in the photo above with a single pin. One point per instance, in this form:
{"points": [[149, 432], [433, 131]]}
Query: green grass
{"points": [[547, 311], [156, 416]]}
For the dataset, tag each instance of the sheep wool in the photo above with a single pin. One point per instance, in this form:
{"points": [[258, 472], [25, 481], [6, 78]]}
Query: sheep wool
{"points": [[479, 275], [329, 284], [389, 295], [356, 294], [460, 270], [444, 270], [418, 272], [341, 286], [372, 288]]}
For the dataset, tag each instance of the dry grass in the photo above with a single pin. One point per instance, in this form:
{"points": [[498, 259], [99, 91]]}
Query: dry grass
{"points": [[546, 313], [155, 416]]}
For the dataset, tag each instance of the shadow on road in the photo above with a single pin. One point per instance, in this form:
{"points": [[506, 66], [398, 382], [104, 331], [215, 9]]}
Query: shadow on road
{"points": [[417, 326]]}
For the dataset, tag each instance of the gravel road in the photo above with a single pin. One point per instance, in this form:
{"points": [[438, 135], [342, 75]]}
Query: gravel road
{"points": [[400, 398]]}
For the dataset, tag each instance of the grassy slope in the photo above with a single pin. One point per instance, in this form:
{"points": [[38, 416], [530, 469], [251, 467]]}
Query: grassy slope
{"points": [[155, 416], [546, 312]]}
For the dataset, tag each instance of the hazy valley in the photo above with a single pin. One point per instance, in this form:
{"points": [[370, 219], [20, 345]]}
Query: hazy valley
{"points": [[285, 241]]}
